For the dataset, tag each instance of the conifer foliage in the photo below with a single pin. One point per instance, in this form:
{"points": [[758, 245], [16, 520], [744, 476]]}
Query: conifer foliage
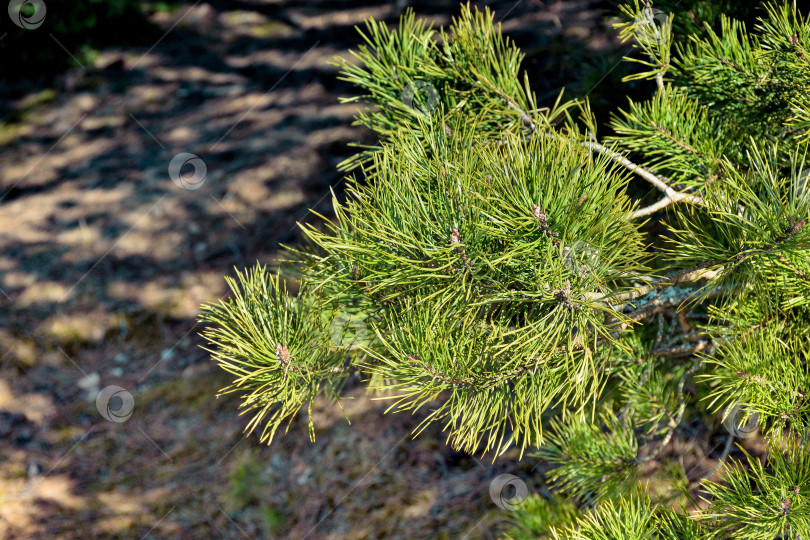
{"points": [[487, 262]]}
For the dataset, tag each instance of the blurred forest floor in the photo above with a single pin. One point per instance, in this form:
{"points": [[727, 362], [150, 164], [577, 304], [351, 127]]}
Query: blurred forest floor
{"points": [[104, 262]]}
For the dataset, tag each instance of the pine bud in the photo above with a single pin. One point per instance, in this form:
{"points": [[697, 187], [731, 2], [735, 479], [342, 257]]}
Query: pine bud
{"points": [[786, 505], [283, 354], [564, 295], [455, 238], [539, 214]]}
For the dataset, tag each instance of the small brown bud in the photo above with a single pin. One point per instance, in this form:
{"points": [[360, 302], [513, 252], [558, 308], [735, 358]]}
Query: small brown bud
{"points": [[786, 505], [796, 490], [540, 215], [455, 237], [283, 353]]}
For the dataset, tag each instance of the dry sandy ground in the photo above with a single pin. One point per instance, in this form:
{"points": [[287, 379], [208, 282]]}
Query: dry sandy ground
{"points": [[104, 261]]}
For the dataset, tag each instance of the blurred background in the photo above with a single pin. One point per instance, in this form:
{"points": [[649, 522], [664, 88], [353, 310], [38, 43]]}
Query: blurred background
{"points": [[146, 150]]}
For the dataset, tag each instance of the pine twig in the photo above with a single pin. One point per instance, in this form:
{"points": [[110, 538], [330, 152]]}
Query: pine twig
{"points": [[666, 201], [672, 196], [653, 179]]}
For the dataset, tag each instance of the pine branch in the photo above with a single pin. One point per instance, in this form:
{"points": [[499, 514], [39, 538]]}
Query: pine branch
{"points": [[494, 271], [663, 203], [672, 196]]}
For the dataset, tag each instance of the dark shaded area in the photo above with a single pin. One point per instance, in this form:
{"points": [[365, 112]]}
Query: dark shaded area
{"points": [[45, 38]]}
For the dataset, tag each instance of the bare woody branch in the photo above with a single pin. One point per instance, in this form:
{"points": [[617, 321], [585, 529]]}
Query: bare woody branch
{"points": [[672, 196]]}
